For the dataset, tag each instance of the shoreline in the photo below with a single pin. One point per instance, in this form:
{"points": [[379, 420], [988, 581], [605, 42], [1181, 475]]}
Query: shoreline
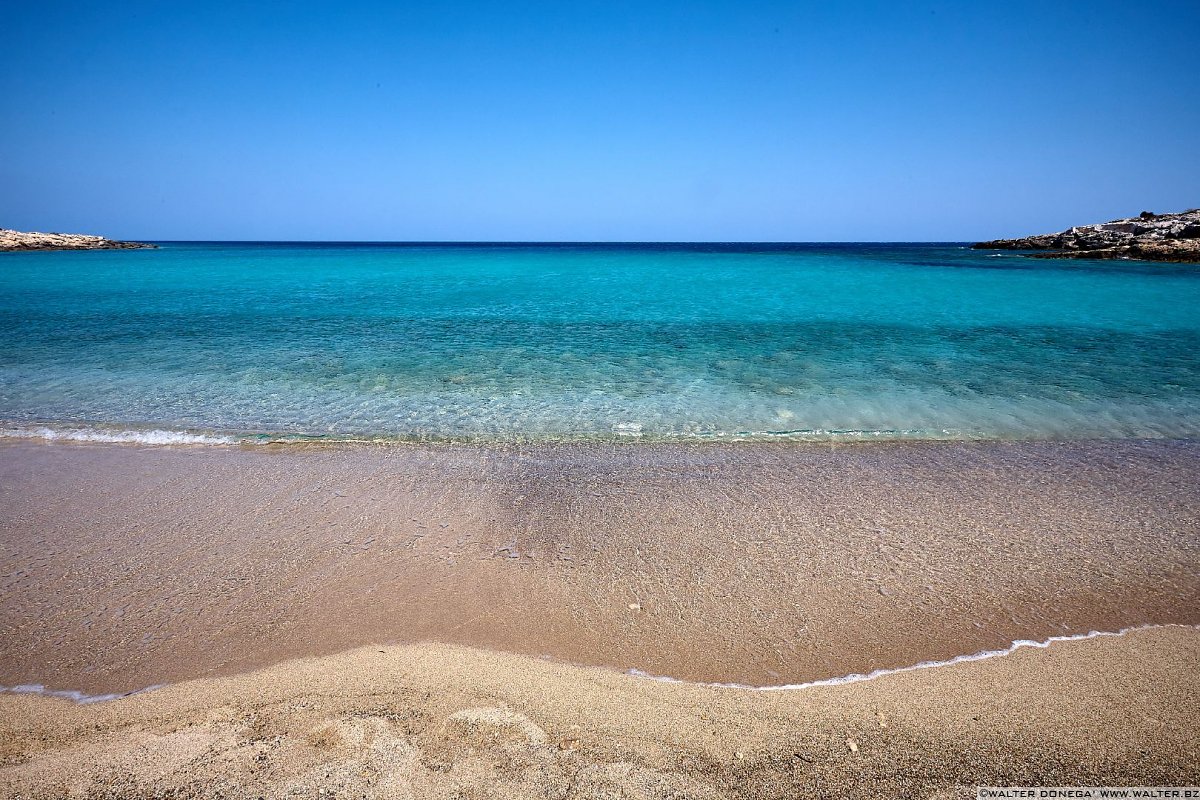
{"points": [[152, 436], [432, 720], [760, 564], [80, 698]]}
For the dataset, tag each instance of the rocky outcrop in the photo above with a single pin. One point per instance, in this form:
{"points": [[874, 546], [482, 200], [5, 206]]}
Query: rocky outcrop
{"points": [[1148, 236], [16, 240]]}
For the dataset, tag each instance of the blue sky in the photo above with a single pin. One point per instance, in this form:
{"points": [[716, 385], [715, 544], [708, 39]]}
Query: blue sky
{"points": [[595, 121]]}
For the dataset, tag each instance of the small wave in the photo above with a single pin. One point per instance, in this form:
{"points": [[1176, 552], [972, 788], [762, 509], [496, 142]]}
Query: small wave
{"points": [[617, 432], [832, 434], [858, 677], [74, 696], [84, 698], [158, 437]]}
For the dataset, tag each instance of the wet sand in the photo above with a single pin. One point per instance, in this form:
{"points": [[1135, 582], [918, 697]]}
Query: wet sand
{"points": [[439, 721], [760, 564]]}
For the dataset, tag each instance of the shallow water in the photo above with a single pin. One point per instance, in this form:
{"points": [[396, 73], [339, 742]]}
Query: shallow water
{"points": [[595, 341], [763, 564]]}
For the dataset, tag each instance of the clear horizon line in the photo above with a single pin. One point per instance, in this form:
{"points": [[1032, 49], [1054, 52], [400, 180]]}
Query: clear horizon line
{"points": [[554, 241]]}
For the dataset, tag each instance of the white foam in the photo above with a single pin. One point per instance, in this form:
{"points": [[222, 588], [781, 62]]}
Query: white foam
{"points": [[879, 673], [73, 695], [152, 437], [83, 698], [828, 434]]}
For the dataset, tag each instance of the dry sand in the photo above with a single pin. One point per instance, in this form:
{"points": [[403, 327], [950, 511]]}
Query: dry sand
{"points": [[424, 721]]}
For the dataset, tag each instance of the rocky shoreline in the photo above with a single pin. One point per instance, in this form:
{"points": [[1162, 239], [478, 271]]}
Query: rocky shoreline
{"points": [[1148, 236], [17, 240]]}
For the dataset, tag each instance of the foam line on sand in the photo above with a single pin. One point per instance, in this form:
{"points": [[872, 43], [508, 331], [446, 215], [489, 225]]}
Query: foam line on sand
{"points": [[83, 698], [858, 677]]}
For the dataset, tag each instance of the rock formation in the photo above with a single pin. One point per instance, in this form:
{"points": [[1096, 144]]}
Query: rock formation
{"points": [[16, 240], [1148, 236]]}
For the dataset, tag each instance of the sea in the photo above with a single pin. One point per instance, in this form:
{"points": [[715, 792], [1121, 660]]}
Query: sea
{"points": [[211, 342]]}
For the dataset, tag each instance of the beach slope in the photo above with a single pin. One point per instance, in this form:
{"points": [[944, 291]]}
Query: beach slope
{"points": [[445, 721]]}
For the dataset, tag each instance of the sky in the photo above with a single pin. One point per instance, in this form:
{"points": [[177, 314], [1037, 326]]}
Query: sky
{"points": [[605, 121]]}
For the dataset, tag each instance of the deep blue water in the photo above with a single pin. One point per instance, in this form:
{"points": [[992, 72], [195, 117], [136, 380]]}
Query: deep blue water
{"points": [[531, 341]]}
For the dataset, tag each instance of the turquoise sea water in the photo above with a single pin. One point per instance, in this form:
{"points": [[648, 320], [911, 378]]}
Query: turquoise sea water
{"points": [[595, 341]]}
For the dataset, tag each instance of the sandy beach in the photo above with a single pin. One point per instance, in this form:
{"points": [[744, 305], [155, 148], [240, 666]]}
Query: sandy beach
{"points": [[432, 619], [127, 567], [599, 401], [442, 721]]}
